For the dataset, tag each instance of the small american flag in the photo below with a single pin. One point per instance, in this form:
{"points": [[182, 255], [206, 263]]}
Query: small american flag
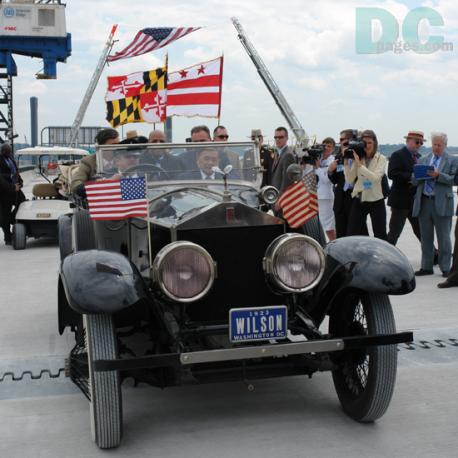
{"points": [[117, 199], [151, 39], [299, 201]]}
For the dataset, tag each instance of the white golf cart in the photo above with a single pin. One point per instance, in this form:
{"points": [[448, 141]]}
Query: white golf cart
{"points": [[46, 172]]}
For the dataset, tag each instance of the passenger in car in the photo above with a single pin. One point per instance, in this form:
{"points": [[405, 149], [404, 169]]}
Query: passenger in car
{"points": [[161, 157]]}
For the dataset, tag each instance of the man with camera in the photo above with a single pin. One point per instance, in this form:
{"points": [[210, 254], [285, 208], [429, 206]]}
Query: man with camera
{"points": [[342, 189]]}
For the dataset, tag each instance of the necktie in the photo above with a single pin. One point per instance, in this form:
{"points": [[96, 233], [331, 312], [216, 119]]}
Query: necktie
{"points": [[429, 184]]}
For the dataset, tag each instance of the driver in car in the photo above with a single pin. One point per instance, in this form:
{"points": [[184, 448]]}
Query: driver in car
{"points": [[161, 157]]}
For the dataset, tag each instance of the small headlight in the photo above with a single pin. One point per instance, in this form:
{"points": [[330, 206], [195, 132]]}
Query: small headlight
{"points": [[184, 271], [294, 262], [269, 194]]}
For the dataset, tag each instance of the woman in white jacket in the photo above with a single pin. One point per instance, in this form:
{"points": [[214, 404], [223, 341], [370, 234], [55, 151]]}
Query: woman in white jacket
{"points": [[325, 189], [366, 174]]}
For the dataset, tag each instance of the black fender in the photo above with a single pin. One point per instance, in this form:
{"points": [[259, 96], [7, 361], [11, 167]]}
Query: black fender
{"points": [[360, 263], [375, 265], [97, 281]]}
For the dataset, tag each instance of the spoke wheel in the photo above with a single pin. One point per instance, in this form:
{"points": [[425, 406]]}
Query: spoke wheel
{"points": [[104, 387], [365, 378]]}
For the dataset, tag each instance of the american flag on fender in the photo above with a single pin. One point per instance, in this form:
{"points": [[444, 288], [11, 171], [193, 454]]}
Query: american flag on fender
{"points": [[299, 201], [150, 39], [117, 199]]}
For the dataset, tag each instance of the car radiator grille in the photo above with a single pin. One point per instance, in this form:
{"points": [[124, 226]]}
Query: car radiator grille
{"points": [[240, 282]]}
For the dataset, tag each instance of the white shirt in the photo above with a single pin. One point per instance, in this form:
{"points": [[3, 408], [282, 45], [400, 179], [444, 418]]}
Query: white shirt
{"points": [[324, 187], [207, 177]]}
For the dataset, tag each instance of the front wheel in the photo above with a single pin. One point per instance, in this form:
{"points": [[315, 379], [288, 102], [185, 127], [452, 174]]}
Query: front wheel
{"points": [[365, 378], [104, 387], [19, 236]]}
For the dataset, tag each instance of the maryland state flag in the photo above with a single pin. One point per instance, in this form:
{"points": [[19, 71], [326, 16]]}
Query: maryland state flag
{"points": [[138, 97]]}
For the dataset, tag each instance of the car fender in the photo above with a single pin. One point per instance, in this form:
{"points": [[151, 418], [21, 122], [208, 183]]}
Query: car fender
{"points": [[375, 265], [97, 281]]}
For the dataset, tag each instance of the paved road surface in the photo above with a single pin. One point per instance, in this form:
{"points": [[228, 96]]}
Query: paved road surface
{"points": [[292, 417]]}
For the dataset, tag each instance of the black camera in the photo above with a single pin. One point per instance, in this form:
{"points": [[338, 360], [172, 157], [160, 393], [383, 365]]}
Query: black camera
{"points": [[355, 146], [312, 154]]}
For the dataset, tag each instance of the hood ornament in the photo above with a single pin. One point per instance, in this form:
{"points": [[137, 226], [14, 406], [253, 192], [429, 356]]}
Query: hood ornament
{"points": [[227, 196]]}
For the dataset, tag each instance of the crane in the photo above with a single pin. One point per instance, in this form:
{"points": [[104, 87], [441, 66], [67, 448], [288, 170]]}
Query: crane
{"points": [[283, 105], [73, 136]]}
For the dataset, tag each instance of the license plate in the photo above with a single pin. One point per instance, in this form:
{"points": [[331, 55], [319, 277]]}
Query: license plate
{"points": [[43, 215], [258, 323]]}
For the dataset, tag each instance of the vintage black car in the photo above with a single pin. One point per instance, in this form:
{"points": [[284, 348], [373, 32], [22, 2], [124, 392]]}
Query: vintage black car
{"points": [[211, 287]]}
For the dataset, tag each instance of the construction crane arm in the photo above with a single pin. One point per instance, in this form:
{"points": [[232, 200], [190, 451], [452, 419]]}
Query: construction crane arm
{"points": [[271, 85], [73, 137]]}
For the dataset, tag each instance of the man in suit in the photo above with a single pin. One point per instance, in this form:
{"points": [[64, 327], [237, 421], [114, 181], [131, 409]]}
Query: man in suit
{"points": [[452, 279], [10, 190], [87, 168], [206, 159], [162, 157], [400, 169], [284, 157], [433, 205]]}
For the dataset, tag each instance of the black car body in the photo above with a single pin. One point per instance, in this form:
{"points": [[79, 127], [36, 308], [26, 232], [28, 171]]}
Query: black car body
{"points": [[211, 287]]}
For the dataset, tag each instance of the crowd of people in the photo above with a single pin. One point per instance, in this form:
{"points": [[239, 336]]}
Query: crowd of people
{"points": [[351, 184]]}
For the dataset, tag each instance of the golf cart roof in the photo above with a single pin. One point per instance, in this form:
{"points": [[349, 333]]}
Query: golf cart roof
{"points": [[52, 151]]}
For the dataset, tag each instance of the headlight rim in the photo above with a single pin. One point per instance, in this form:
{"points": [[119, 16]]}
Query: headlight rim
{"points": [[158, 263], [263, 192], [272, 253]]}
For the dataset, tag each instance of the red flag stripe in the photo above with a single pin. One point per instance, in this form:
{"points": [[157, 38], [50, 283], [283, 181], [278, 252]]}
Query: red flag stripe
{"points": [[211, 98], [202, 81], [292, 203]]}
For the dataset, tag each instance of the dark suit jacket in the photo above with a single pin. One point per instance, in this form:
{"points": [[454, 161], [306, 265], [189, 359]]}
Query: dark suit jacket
{"points": [[279, 177], [5, 170], [169, 163], [400, 169]]}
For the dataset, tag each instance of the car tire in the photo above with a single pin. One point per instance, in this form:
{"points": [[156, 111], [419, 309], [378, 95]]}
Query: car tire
{"points": [[19, 236], [104, 386], [83, 231], [64, 227], [365, 379]]}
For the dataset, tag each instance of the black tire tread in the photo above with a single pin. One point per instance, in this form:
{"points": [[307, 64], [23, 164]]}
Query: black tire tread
{"points": [[83, 231], [19, 236], [105, 387]]}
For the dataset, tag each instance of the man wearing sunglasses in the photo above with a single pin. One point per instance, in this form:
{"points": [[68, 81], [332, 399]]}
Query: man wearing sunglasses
{"points": [[226, 157], [400, 169], [284, 157]]}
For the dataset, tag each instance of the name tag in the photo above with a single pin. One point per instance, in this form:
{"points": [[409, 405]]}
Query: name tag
{"points": [[367, 184]]}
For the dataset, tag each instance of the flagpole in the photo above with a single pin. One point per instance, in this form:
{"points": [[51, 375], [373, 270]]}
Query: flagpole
{"points": [[148, 225], [220, 88]]}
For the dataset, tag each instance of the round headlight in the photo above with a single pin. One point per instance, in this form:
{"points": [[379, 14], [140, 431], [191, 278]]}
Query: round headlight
{"points": [[184, 271], [294, 262], [269, 194]]}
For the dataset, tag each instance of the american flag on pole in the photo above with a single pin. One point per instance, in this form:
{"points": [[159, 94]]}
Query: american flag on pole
{"points": [[150, 39], [117, 199], [196, 90], [299, 201]]}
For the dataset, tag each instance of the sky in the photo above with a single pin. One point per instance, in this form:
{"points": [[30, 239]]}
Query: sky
{"points": [[308, 46]]}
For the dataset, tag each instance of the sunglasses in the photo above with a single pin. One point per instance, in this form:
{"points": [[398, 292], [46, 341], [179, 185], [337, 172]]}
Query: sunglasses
{"points": [[418, 142], [158, 141], [278, 137], [223, 136], [342, 139]]}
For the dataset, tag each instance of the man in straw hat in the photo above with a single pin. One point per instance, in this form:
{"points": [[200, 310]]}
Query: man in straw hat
{"points": [[400, 169]]}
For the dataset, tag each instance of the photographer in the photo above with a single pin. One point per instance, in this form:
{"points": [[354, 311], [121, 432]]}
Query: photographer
{"points": [[342, 189], [366, 173], [325, 189]]}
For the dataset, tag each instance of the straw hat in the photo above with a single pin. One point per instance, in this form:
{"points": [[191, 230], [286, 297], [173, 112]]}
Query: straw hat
{"points": [[416, 135]]}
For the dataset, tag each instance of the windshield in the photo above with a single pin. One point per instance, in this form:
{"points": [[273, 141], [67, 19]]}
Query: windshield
{"points": [[204, 162]]}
